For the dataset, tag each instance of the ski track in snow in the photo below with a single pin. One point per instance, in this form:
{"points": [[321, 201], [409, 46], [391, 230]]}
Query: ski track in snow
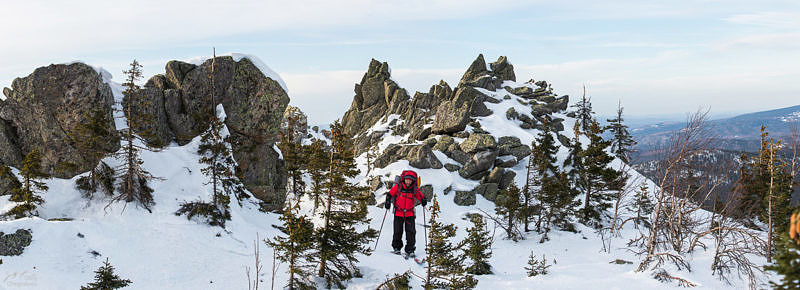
{"points": [[164, 251]]}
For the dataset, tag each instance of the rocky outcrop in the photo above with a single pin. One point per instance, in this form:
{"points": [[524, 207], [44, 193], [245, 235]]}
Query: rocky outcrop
{"points": [[454, 115], [254, 105], [44, 109], [299, 123], [14, 244]]}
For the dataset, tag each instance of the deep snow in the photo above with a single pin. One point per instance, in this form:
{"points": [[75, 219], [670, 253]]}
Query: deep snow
{"points": [[164, 251]]}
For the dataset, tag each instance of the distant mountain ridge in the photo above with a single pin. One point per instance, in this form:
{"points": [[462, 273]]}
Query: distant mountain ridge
{"points": [[739, 133]]}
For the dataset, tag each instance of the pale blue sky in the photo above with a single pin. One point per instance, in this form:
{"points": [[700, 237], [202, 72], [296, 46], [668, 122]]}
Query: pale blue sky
{"points": [[658, 59]]}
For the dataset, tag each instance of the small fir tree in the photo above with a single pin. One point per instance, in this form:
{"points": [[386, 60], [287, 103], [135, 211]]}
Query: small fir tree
{"points": [[32, 174], [105, 279], [478, 247], [295, 246], [583, 112], [599, 180], [133, 179], [294, 157], [317, 167], [445, 269], [642, 205], [553, 193], [341, 239], [621, 141], [537, 267], [508, 208]]}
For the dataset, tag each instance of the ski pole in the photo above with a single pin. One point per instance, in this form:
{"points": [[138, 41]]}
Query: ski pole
{"points": [[379, 231], [425, 227]]}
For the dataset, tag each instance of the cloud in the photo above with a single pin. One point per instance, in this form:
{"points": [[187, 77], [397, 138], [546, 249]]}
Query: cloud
{"points": [[767, 19]]}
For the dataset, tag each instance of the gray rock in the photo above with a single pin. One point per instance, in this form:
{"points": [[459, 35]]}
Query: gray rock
{"points": [[457, 155], [512, 114], [476, 71], [44, 109], [454, 115], [452, 167], [422, 157], [464, 198], [149, 104], [375, 183], [427, 191], [506, 164], [508, 178], [478, 166], [503, 69], [487, 190], [14, 244], [443, 143], [478, 142], [524, 92], [495, 176]]}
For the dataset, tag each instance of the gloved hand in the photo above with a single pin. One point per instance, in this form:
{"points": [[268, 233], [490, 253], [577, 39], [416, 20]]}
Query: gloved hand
{"points": [[424, 201], [388, 203]]}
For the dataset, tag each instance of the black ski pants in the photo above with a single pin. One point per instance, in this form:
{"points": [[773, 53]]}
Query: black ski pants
{"points": [[406, 223]]}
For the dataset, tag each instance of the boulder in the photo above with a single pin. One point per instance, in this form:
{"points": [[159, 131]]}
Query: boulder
{"points": [[510, 145], [149, 119], [421, 156], [14, 244], [452, 167], [427, 191], [44, 109], [508, 179], [464, 198], [503, 69], [444, 143], [478, 165], [478, 142], [456, 154], [454, 115], [487, 190]]}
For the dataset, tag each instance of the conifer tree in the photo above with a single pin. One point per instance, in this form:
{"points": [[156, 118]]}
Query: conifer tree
{"points": [[295, 247], [339, 239], [293, 156], [787, 256], [598, 180], [642, 205], [317, 167], [89, 138], [583, 112], [105, 279], [445, 269], [32, 174], [219, 168], [133, 179], [536, 267], [621, 140], [532, 182], [554, 195], [508, 208], [767, 185], [478, 247]]}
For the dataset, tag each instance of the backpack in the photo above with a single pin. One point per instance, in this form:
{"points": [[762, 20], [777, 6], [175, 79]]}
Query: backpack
{"points": [[398, 182]]}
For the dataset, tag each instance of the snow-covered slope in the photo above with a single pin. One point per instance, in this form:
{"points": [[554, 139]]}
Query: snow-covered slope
{"points": [[159, 250]]}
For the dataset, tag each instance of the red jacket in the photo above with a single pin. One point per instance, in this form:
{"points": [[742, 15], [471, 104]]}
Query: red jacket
{"points": [[404, 196]]}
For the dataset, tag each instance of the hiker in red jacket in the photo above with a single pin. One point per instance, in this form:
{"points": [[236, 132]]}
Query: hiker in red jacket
{"points": [[403, 196]]}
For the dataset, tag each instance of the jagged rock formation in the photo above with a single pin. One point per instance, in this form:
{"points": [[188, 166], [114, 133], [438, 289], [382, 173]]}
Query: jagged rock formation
{"points": [[445, 119], [43, 111], [180, 101]]}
